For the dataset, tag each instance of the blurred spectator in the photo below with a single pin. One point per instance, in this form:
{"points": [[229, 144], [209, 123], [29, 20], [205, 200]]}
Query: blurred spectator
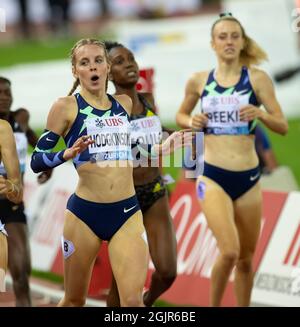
{"points": [[124, 8], [24, 22], [59, 15], [85, 16], [165, 8], [35, 18], [104, 8]]}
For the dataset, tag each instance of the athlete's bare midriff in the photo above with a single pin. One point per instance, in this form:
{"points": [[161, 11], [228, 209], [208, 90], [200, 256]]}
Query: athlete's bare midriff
{"points": [[105, 184], [231, 152]]}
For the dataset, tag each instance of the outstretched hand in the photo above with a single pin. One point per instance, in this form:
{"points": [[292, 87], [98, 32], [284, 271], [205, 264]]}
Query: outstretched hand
{"points": [[79, 146], [177, 140]]}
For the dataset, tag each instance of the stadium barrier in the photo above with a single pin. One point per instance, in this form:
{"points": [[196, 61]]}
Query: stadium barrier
{"points": [[276, 262]]}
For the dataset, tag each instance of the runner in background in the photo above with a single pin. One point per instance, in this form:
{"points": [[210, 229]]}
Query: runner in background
{"points": [[13, 215], [229, 190], [10, 187], [148, 181]]}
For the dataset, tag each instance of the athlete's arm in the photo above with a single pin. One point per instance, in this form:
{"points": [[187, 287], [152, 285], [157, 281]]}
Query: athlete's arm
{"points": [[58, 122], [273, 117], [191, 98], [264, 149], [10, 186]]}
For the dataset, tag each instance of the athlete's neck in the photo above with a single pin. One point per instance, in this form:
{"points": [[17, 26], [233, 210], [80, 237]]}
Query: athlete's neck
{"points": [[228, 69], [228, 73], [98, 100]]}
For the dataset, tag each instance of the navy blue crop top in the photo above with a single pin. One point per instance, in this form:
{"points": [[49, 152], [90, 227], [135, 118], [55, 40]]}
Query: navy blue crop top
{"points": [[222, 105], [110, 136]]}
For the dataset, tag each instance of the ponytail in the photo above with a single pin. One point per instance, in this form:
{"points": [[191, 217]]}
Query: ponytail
{"points": [[252, 54], [74, 87]]}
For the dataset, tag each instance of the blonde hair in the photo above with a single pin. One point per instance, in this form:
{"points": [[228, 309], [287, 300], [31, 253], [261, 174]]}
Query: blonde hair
{"points": [[252, 53], [82, 43]]}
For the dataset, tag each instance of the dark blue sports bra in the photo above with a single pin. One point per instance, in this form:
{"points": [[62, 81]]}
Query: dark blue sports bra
{"points": [[109, 128], [222, 105]]}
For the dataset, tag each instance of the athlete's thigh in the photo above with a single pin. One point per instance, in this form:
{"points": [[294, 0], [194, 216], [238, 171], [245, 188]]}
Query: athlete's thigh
{"points": [[160, 234], [81, 247], [128, 253], [217, 207], [248, 211]]}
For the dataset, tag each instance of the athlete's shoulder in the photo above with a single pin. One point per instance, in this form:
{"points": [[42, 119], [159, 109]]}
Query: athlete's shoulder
{"points": [[5, 127], [197, 82], [63, 102], [199, 77], [259, 79], [124, 100], [149, 99], [257, 74]]}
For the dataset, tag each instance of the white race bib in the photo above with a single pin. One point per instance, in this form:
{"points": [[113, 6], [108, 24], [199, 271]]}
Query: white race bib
{"points": [[224, 110], [111, 134], [146, 130], [21, 144]]}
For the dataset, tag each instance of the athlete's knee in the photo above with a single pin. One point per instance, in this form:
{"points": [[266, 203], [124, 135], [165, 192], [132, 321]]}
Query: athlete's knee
{"points": [[20, 274], [21, 285], [132, 300], [19, 269], [244, 265], [230, 257]]}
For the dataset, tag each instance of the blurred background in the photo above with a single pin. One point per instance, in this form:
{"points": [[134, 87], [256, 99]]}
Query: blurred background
{"points": [[170, 38]]}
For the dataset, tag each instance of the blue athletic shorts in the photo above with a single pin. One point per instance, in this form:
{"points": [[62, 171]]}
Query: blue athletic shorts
{"points": [[234, 183], [104, 219]]}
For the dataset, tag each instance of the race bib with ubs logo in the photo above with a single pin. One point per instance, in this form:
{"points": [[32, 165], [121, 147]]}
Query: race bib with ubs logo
{"points": [[146, 130], [223, 114], [111, 137]]}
